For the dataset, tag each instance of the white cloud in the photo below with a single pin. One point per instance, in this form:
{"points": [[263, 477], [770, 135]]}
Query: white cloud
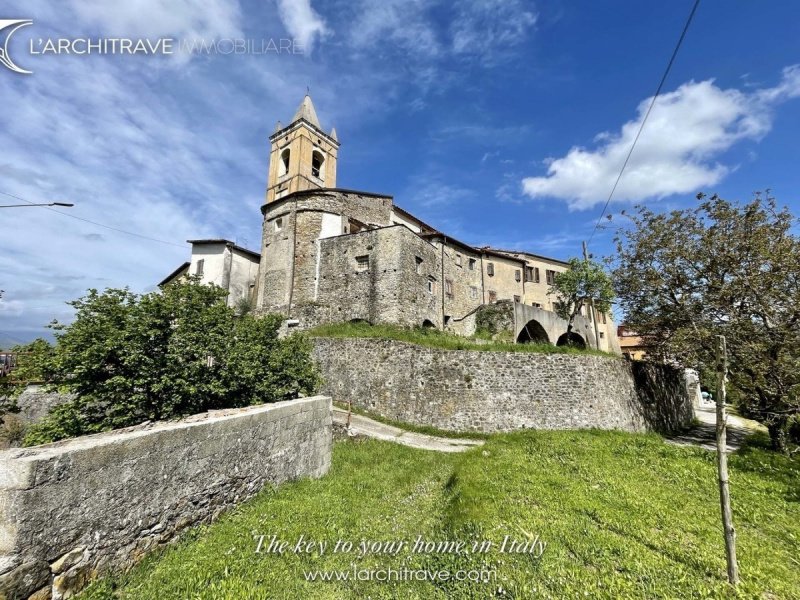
{"points": [[146, 18], [490, 27], [302, 22], [686, 133]]}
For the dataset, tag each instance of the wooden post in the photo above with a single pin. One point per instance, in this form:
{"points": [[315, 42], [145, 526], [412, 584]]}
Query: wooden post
{"points": [[591, 306], [722, 463]]}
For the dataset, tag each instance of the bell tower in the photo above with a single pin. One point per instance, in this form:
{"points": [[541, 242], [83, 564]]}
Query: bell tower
{"points": [[302, 156]]}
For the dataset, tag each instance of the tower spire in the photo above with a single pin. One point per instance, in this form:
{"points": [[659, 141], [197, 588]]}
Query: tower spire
{"points": [[306, 111]]}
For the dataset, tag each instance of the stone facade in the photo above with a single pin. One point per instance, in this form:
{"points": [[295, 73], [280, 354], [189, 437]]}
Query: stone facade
{"points": [[72, 510], [502, 391]]}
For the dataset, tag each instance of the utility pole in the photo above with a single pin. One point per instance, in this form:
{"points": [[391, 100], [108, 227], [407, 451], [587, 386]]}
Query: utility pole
{"points": [[722, 463], [591, 305]]}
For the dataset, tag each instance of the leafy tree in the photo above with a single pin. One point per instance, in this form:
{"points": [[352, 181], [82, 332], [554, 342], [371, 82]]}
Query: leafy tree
{"points": [[584, 281], [180, 351], [720, 269]]}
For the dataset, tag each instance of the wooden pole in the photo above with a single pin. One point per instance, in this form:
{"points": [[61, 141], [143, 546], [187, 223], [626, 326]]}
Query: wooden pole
{"points": [[722, 463], [591, 306]]}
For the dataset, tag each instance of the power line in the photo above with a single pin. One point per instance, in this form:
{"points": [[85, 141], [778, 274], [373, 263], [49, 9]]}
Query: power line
{"points": [[117, 229], [647, 114]]}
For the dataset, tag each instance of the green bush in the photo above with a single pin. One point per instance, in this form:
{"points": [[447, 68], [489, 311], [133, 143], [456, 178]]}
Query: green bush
{"points": [[131, 358]]}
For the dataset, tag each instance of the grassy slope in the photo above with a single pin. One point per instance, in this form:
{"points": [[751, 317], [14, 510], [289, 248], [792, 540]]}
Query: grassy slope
{"points": [[623, 516], [437, 339]]}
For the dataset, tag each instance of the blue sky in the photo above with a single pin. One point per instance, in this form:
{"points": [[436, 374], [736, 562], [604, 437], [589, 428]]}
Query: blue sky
{"points": [[502, 122]]}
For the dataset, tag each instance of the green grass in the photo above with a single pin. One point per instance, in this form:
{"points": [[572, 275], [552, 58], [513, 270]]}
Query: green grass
{"points": [[424, 429], [434, 338], [622, 516]]}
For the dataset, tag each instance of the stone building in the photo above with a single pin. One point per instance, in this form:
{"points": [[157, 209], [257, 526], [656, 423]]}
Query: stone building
{"points": [[335, 255]]}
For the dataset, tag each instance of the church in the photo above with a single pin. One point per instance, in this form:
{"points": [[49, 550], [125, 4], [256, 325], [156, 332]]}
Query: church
{"points": [[332, 255]]}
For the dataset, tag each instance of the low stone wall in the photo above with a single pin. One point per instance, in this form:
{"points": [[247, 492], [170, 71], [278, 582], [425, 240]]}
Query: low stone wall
{"points": [[502, 391], [78, 508], [34, 403]]}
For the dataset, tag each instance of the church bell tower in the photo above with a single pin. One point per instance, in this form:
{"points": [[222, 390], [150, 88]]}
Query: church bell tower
{"points": [[302, 156]]}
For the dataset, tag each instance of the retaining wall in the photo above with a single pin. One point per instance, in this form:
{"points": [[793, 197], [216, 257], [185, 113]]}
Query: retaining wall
{"points": [[72, 510], [489, 391]]}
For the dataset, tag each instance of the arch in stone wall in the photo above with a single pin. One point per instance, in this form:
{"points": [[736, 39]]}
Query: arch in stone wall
{"points": [[428, 324], [571, 339], [533, 333], [359, 321]]}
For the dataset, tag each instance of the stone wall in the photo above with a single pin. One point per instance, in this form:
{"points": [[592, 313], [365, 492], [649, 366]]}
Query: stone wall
{"points": [[78, 508], [34, 403], [502, 391]]}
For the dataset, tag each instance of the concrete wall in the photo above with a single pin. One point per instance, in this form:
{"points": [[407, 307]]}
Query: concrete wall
{"points": [[78, 508], [502, 391]]}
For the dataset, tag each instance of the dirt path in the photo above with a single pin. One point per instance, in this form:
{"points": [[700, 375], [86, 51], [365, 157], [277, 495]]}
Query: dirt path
{"points": [[374, 429], [704, 435]]}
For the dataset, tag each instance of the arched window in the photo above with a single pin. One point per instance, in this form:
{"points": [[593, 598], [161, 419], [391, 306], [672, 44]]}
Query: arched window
{"points": [[283, 167], [318, 165]]}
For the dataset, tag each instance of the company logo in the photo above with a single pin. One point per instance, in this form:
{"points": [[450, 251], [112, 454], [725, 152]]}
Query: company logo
{"points": [[5, 58]]}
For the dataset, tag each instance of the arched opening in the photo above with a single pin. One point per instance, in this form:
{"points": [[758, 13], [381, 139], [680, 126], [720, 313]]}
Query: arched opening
{"points": [[283, 166], [533, 333], [572, 339], [359, 322], [318, 164], [428, 324]]}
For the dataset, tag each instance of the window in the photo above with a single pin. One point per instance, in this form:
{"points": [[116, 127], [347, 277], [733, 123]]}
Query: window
{"points": [[448, 287], [551, 276], [490, 269], [492, 296], [200, 264], [536, 278], [431, 285], [283, 166], [317, 162], [458, 260], [602, 335], [473, 292], [517, 275], [278, 224], [362, 263], [471, 264], [536, 305], [516, 298], [417, 264], [528, 273]]}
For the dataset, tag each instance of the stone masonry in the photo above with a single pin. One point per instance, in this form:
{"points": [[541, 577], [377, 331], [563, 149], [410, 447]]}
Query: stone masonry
{"points": [[462, 390], [76, 509]]}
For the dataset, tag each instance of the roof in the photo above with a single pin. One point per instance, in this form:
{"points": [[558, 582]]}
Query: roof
{"points": [[306, 112], [229, 244], [531, 254], [177, 272], [417, 219]]}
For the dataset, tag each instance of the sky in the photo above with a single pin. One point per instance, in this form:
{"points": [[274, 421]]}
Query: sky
{"points": [[501, 122]]}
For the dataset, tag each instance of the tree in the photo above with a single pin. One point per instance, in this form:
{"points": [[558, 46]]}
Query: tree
{"points": [[721, 268], [576, 287], [180, 351]]}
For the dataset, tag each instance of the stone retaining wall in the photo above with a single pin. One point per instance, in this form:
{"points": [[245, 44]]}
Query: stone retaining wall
{"points": [[72, 510], [491, 391]]}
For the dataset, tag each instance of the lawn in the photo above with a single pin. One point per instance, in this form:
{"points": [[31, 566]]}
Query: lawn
{"points": [[434, 338], [619, 515]]}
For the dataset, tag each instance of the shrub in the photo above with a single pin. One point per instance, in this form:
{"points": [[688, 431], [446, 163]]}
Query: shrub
{"points": [[162, 355]]}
